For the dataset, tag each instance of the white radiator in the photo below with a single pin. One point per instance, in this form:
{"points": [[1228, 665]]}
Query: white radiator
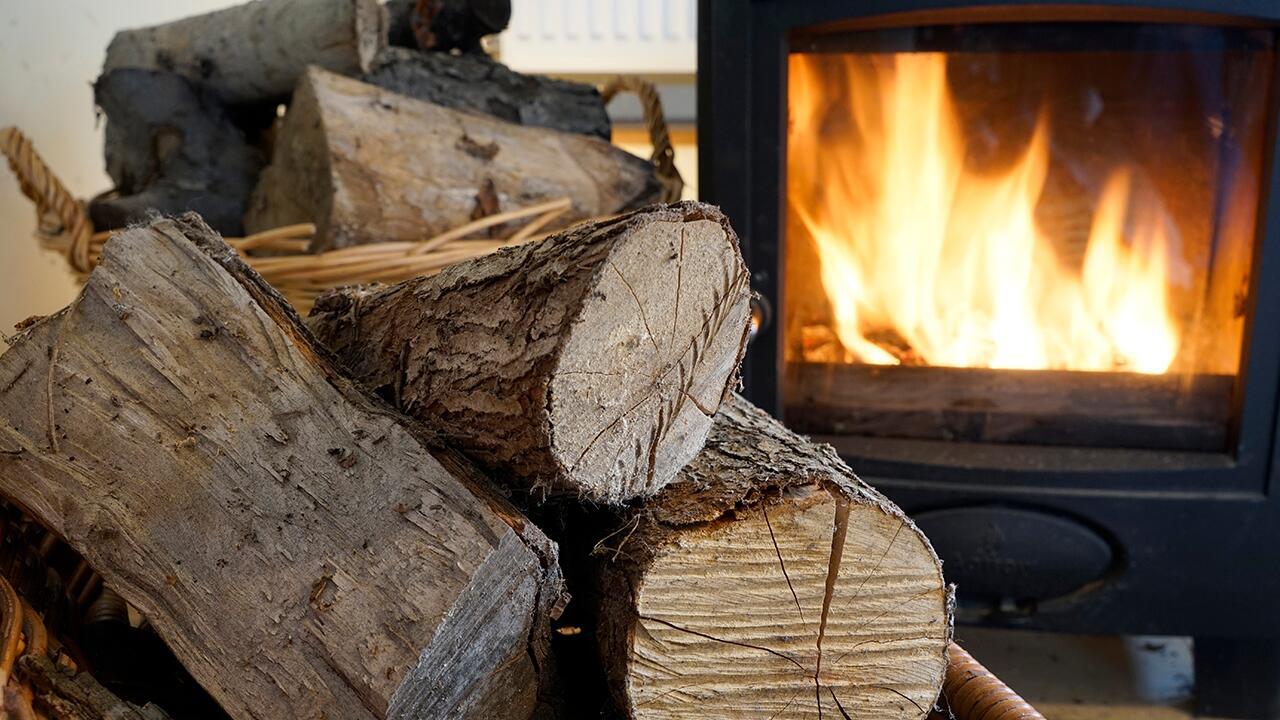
{"points": [[602, 36]]}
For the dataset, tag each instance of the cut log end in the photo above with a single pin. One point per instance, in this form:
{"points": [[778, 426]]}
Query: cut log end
{"points": [[846, 617], [645, 365], [767, 581], [585, 364]]}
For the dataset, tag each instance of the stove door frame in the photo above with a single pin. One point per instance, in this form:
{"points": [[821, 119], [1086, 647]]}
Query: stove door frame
{"points": [[1181, 530]]}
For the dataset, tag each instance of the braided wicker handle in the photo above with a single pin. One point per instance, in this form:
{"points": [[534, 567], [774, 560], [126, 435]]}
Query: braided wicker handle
{"points": [[64, 224], [664, 156], [971, 692]]}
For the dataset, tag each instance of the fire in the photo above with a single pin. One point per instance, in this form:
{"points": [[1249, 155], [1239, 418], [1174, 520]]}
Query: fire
{"points": [[925, 259]]}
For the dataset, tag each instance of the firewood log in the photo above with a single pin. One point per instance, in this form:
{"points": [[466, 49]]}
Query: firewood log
{"points": [[768, 581], [368, 165], [478, 82], [257, 51], [445, 25], [62, 694], [295, 543], [588, 363], [171, 148]]}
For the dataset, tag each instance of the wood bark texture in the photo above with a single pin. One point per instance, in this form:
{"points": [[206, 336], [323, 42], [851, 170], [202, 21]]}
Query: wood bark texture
{"points": [[444, 25], [171, 148], [768, 581], [590, 362], [292, 540], [61, 694], [477, 82], [367, 165], [257, 51]]}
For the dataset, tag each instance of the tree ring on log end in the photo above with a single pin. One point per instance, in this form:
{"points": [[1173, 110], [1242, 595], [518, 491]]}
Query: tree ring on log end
{"points": [[730, 616], [649, 358]]}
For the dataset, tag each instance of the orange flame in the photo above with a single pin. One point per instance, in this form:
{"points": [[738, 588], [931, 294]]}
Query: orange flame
{"points": [[951, 261]]}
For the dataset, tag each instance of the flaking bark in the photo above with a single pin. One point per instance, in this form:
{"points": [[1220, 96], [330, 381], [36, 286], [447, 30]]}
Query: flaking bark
{"points": [[477, 82], [294, 541], [587, 363], [676, 580], [257, 51], [171, 148], [369, 165]]}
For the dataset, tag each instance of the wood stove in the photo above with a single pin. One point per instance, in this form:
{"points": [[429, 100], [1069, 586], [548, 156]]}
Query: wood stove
{"points": [[1020, 264]]}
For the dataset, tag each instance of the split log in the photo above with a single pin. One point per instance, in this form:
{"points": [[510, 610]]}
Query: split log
{"points": [[478, 82], [292, 540], [368, 165], [257, 51], [445, 25], [171, 148], [769, 581], [590, 362]]}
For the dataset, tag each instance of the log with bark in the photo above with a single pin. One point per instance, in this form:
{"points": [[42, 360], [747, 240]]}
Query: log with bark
{"points": [[368, 165], [60, 693], [257, 51], [295, 542], [171, 148], [589, 363], [768, 581], [445, 25], [478, 82]]}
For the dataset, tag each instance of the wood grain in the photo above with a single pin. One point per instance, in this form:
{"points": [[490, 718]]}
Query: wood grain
{"points": [[369, 165], [588, 363], [768, 581], [294, 542], [257, 51]]}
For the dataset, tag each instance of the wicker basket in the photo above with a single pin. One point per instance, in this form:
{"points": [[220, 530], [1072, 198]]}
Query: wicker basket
{"points": [[280, 255]]}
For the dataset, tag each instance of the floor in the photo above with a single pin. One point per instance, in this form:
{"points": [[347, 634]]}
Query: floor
{"points": [[1073, 677]]}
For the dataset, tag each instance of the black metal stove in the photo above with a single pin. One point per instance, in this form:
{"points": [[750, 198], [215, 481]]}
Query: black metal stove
{"points": [[1022, 265]]}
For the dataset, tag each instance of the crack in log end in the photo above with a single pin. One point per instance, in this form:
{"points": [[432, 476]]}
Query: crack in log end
{"points": [[730, 294], [639, 306], [808, 537], [839, 531], [764, 510], [726, 641]]}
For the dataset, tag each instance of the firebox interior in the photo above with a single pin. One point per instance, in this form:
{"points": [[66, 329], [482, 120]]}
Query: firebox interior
{"points": [[1022, 232]]}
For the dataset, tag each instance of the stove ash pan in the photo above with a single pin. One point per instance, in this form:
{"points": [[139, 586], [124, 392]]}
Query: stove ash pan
{"points": [[1020, 265]]}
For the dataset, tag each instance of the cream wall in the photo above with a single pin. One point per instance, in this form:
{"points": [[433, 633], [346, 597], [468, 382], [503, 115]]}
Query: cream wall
{"points": [[50, 53]]}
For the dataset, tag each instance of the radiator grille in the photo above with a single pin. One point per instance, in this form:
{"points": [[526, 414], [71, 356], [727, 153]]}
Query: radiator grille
{"points": [[602, 36]]}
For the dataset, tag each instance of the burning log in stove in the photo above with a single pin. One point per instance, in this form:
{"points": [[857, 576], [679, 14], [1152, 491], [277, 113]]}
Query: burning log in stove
{"points": [[1053, 407], [1003, 291]]}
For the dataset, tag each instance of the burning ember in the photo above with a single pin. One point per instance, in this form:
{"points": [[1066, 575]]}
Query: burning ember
{"points": [[926, 259]]}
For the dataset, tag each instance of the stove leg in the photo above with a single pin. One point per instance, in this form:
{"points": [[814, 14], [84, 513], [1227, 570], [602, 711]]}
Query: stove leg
{"points": [[1238, 677]]}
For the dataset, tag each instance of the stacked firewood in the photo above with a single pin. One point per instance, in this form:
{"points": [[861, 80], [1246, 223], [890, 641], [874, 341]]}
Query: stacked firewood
{"points": [[522, 487]]}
